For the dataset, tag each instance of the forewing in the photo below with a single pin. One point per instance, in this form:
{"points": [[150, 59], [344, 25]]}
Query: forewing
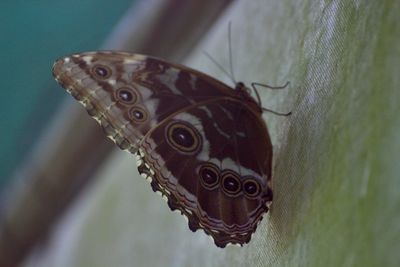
{"points": [[128, 94]]}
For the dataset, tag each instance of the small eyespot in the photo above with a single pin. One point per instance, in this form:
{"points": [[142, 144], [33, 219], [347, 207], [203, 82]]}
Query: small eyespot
{"points": [[125, 95], [251, 187], [231, 183], [209, 175], [101, 72], [183, 137], [138, 114]]}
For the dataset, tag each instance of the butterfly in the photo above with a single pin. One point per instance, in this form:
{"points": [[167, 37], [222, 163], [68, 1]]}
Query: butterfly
{"points": [[201, 143]]}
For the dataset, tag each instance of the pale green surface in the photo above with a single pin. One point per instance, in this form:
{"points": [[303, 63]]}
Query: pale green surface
{"points": [[336, 176]]}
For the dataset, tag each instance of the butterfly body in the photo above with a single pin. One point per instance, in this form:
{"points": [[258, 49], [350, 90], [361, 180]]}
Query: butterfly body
{"points": [[201, 143]]}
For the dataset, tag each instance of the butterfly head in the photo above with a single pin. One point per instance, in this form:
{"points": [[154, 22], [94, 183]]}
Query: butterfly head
{"points": [[244, 94]]}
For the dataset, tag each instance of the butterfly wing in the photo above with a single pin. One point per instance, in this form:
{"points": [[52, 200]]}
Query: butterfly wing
{"points": [[206, 150], [130, 93], [213, 162]]}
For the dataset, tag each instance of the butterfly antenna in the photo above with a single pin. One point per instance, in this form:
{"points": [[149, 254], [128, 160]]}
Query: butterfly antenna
{"points": [[220, 67], [230, 51], [231, 75]]}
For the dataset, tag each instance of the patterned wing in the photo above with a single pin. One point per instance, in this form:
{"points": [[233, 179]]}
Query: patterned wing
{"points": [[203, 144], [128, 94], [213, 162]]}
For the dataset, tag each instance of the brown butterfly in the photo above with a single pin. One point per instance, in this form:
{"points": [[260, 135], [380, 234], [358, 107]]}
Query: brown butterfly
{"points": [[203, 144]]}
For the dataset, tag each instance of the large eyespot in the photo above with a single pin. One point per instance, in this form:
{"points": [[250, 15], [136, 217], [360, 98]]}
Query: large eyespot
{"points": [[209, 175], [231, 183], [125, 95], [138, 114], [101, 72], [251, 187], [183, 137]]}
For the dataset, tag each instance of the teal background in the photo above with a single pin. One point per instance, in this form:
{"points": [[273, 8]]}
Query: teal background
{"points": [[34, 34]]}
